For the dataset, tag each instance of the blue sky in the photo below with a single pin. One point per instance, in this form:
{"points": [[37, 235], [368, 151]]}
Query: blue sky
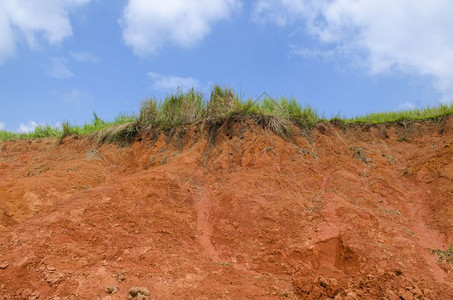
{"points": [[60, 60]]}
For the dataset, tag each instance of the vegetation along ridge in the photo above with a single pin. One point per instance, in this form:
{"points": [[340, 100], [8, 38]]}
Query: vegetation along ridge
{"points": [[191, 107]]}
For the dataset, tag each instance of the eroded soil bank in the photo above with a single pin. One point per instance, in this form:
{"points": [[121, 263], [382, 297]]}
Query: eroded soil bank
{"points": [[344, 212]]}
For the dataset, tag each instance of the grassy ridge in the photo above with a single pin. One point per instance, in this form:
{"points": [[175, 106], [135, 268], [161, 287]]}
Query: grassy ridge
{"points": [[404, 115], [67, 128], [191, 107]]}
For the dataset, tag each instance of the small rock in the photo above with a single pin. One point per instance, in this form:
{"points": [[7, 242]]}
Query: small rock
{"points": [[417, 292], [4, 265], [51, 269], [351, 296], [111, 289], [140, 293], [120, 277], [54, 279], [391, 295], [406, 295], [322, 282], [428, 294]]}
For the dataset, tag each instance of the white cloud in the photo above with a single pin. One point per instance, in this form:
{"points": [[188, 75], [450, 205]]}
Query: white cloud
{"points": [[2, 125], [84, 57], [172, 83], [388, 35], [27, 127], [7, 46], [34, 20], [279, 12], [57, 68], [76, 97], [149, 25]]}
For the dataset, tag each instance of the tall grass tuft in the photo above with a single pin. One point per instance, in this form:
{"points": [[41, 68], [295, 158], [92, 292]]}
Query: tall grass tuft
{"points": [[181, 109], [148, 114], [45, 131], [223, 102]]}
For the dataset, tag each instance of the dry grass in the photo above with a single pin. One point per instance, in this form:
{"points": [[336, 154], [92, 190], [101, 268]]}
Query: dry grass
{"points": [[122, 133]]}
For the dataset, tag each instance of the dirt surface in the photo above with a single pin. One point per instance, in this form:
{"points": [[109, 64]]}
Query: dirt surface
{"points": [[343, 212]]}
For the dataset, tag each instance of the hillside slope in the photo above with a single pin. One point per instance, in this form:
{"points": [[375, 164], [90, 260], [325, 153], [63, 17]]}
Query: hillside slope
{"points": [[345, 212]]}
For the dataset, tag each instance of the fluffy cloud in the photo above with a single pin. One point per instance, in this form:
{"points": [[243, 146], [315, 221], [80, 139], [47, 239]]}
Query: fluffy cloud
{"points": [[149, 25], [172, 83], [409, 36], [7, 46], [27, 127], [34, 20], [2, 125]]}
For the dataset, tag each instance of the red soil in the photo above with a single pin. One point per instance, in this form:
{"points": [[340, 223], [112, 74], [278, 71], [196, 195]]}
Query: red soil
{"points": [[340, 212]]}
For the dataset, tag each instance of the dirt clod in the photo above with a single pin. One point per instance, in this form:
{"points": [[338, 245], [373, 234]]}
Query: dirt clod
{"points": [[120, 277], [139, 293], [111, 289]]}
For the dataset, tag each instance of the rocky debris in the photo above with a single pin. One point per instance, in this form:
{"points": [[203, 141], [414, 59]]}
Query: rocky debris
{"points": [[318, 288], [388, 285], [26, 294], [54, 279], [139, 293]]}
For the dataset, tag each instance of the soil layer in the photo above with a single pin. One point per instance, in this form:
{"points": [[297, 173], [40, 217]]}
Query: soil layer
{"points": [[341, 212]]}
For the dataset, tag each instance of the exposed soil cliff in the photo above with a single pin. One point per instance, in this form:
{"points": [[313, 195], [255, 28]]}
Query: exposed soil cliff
{"points": [[344, 212]]}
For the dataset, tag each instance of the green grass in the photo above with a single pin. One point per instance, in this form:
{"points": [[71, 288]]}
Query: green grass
{"points": [[191, 107], [404, 115], [67, 128], [184, 108], [180, 109], [39, 132]]}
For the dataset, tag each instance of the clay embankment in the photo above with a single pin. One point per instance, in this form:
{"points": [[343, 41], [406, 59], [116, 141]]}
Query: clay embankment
{"points": [[346, 212]]}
